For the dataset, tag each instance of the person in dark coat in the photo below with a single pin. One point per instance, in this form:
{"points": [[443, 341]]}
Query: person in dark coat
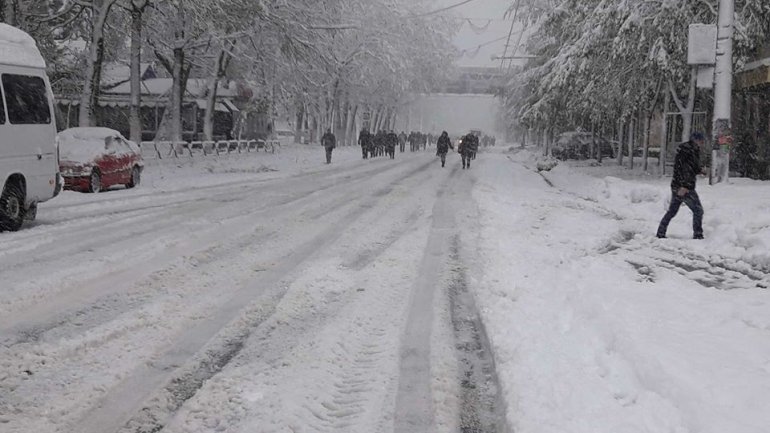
{"points": [[329, 142], [364, 139], [379, 143], [391, 141], [687, 166], [402, 141], [443, 145], [468, 146]]}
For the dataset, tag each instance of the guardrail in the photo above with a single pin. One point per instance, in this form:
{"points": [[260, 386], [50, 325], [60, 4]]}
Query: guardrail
{"points": [[183, 149]]}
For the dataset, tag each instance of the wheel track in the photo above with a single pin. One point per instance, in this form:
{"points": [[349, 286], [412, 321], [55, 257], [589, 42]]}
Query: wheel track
{"points": [[78, 226], [269, 297], [171, 221], [481, 404]]}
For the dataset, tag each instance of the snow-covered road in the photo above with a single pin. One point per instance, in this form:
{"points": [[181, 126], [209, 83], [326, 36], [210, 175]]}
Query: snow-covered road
{"points": [[271, 293], [116, 308]]}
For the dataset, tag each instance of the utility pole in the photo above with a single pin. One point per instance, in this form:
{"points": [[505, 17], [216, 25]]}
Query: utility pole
{"points": [[721, 132]]}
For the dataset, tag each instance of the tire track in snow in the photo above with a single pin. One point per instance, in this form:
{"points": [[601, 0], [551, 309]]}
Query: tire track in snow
{"points": [[172, 249], [343, 197], [414, 399], [209, 333], [481, 407], [80, 225]]}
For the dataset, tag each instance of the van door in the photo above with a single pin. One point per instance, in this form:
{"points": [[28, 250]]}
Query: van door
{"points": [[29, 134]]}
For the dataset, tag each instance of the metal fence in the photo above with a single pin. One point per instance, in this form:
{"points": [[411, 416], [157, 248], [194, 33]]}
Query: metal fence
{"points": [[183, 149]]}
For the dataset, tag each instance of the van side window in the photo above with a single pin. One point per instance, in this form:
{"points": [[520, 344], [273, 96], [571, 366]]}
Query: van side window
{"points": [[27, 100], [2, 108]]}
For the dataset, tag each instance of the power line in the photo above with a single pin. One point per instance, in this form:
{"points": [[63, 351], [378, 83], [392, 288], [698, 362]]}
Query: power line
{"points": [[490, 42], [510, 33], [438, 11]]}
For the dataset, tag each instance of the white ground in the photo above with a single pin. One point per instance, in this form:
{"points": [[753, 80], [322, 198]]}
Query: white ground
{"points": [[273, 293]]}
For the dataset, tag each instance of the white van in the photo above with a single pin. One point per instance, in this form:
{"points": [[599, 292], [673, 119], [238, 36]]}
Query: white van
{"points": [[29, 166]]}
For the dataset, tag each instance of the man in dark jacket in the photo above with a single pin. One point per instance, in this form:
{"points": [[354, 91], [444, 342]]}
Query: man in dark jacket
{"points": [[687, 166], [364, 139], [468, 147], [402, 141], [442, 147], [329, 142], [391, 141]]}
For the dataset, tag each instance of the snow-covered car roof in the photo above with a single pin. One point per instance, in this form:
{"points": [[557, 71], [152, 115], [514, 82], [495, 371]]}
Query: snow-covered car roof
{"points": [[18, 48], [83, 144]]}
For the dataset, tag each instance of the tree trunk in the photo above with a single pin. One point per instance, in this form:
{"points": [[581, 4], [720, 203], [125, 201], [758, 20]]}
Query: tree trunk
{"points": [[93, 76], [373, 121], [220, 68], [300, 119], [631, 143], [687, 120], [664, 134], [314, 125], [135, 118], [8, 11], [646, 140], [351, 125], [686, 110], [599, 151], [621, 128], [176, 96]]}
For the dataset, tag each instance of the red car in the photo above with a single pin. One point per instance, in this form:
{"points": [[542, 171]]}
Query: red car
{"points": [[94, 159]]}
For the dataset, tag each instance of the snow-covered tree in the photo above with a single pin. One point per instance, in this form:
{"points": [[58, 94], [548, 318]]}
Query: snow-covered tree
{"points": [[612, 62]]}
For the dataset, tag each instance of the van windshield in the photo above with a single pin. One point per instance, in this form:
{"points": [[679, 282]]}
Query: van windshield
{"points": [[26, 99]]}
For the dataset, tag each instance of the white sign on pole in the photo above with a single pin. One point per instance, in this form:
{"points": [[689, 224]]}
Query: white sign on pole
{"points": [[706, 77], [702, 44]]}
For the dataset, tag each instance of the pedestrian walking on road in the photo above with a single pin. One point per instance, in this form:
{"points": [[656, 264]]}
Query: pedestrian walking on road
{"points": [[391, 141], [364, 140], [329, 142], [467, 148], [442, 147], [687, 166], [402, 141]]}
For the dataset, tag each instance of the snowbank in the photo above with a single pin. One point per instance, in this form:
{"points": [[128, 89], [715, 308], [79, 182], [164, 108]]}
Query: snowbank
{"points": [[597, 326]]}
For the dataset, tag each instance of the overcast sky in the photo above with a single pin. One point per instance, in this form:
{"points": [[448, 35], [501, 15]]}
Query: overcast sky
{"points": [[486, 24]]}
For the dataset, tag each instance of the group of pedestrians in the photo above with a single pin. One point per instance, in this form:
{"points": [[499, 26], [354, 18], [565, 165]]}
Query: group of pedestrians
{"points": [[380, 144], [385, 143], [467, 148]]}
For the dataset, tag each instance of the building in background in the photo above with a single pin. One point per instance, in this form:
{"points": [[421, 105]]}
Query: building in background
{"points": [[237, 114]]}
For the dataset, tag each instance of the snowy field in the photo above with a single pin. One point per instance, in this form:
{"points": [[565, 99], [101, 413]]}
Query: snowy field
{"points": [[275, 293]]}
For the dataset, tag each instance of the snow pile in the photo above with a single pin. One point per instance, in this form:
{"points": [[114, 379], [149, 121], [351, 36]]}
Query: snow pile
{"points": [[597, 326], [83, 145]]}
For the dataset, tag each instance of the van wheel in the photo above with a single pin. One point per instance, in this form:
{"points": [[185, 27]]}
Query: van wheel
{"points": [[136, 177], [11, 208], [95, 182]]}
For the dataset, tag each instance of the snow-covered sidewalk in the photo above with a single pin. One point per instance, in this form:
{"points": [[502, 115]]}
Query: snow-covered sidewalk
{"points": [[597, 326]]}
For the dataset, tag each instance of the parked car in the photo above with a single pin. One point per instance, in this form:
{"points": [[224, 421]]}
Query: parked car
{"points": [[577, 145], [94, 159], [28, 160]]}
